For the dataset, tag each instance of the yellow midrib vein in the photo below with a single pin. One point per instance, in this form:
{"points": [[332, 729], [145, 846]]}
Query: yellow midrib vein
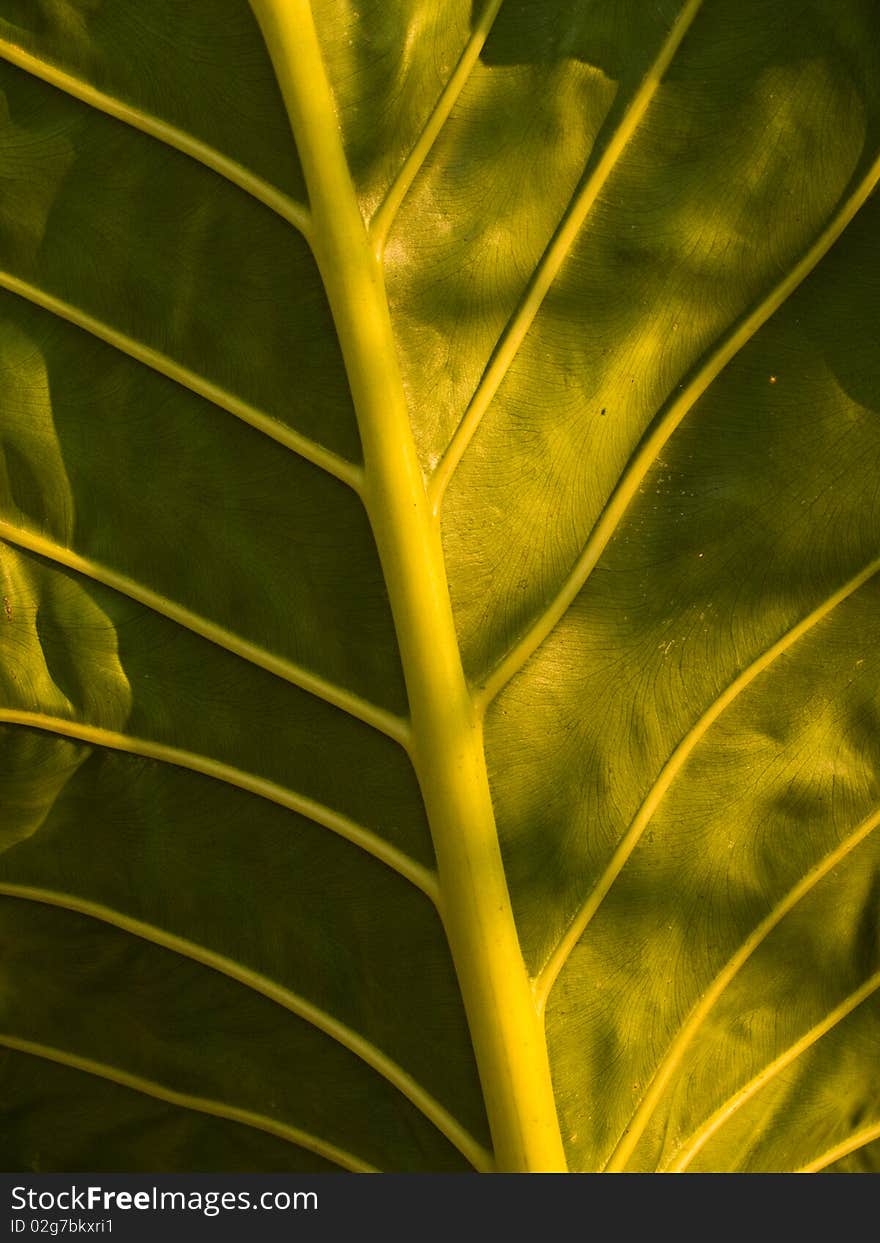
{"points": [[346, 472], [392, 726], [682, 1157], [506, 1036], [362, 1048], [384, 217], [603, 164], [367, 840], [695, 1019], [229, 169], [664, 425], [672, 769], [198, 1104]]}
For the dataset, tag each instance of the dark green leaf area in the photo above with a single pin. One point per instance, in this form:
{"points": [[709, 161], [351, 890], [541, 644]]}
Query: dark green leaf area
{"points": [[162, 250], [205, 1028], [209, 76]]}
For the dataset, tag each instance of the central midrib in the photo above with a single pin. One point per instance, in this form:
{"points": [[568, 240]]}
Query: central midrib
{"points": [[447, 746]]}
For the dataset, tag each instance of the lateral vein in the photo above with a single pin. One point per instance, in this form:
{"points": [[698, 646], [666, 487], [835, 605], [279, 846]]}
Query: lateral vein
{"points": [[673, 767], [661, 429], [325, 459], [336, 696], [198, 1104], [859, 1139], [697, 1016], [360, 1046], [689, 1148], [603, 160], [366, 839], [227, 168], [384, 217]]}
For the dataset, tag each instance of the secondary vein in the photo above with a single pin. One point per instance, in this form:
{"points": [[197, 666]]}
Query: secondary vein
{"points": [[602, 163], [229, 169], [384, 217], [198, 1104], [355, 1043], [675, 1053], [346, 828], [689, 1148], [673, 767], [337, 696], [661, 429], [325, 459], [859, 1139]]}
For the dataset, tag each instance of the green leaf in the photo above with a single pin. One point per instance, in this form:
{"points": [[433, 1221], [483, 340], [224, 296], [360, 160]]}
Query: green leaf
{"points": [[439, 641]]}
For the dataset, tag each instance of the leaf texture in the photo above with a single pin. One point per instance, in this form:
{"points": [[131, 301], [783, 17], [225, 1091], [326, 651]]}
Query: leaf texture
{"points": [[628, 255]]}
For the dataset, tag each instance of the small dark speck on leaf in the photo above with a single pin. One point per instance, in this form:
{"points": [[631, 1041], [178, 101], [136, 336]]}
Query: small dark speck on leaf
{"points": [[602, 411]]}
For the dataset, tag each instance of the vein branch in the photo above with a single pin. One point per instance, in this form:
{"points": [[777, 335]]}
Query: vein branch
{"points": [[198, 1104], [230, 170], [337, 696], [355, 1043], [323, 458], [698, 1014], [674, 766], [344, 827], [384, 217], [860, 1139], [603, 160], [689, 1148], [661, 429]]}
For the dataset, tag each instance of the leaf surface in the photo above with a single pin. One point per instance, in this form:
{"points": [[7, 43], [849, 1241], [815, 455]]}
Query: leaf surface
{"points": [[440, 578]]}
